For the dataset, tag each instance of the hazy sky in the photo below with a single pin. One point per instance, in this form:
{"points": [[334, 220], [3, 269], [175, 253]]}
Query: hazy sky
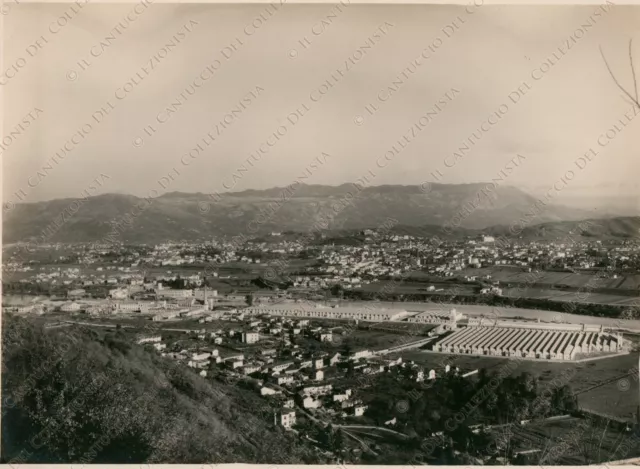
{"points": [[496, 49]]}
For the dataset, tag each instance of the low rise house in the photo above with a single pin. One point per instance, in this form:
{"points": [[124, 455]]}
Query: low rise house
{"points": [[361, 354], [342, 397], [70, 307], [236, 364], [198, 364], [359, 410], [248, 369], [309, 402], [285, 379], [325, 337], [317, 390], [286, 418], [250, 337], [200, 356], [281, 366], [149, 340], [265, 391]]}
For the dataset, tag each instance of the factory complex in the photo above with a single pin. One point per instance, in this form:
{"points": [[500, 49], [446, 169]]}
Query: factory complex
{"points": [[533, 341], [364, 313]]}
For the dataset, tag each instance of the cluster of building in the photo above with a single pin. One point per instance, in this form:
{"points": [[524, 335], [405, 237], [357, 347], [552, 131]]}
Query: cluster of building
{"points": [[533, 341], [449, 321], [305, 310], [486, 261]]}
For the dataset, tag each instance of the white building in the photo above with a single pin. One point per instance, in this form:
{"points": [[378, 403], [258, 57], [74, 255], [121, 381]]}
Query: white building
{"points": [[200, 356], [176, 294], [316, 390], [285, 379], [286, 418], [309, 402], [250, 337], [359, 410], [118, 293], [361, 354], [265, 391], [149, 340], [326, 337], [70, 307]]}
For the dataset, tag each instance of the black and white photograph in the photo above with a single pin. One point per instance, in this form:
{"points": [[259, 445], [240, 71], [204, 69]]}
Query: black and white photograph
{"points": [[336, 234]]}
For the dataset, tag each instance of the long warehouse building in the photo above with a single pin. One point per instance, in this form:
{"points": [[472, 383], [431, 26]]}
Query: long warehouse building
{"points": [[531, 342], [365, 313]]}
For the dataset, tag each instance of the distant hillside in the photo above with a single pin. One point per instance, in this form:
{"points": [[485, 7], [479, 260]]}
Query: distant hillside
{"points": [[73, 396], [600, 229], [606, 228], [183, 216]]}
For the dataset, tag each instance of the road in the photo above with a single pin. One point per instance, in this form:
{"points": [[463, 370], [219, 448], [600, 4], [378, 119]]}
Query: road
{"points": [[125, 326], [372, 427], [602, 383]]}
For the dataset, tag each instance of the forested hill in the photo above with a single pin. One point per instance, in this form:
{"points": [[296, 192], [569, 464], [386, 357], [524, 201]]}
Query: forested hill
{"points": [[191, 217], [70, 396]]}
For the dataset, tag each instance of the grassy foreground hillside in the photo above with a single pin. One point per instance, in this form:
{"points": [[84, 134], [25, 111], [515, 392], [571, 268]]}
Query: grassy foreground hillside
{"points": [[72, 396]]}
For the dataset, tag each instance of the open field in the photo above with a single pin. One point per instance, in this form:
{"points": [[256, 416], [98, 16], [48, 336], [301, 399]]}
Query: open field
{"points": [[618, 397], [374, 340], [406, 328], [579, 280], [534, 292], [410, 288], [576, 296]]}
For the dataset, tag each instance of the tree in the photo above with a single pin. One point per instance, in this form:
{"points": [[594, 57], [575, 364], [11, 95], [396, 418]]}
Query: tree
{"points": [[633, 97], [335, 438], [337, 290], [250, 299]]}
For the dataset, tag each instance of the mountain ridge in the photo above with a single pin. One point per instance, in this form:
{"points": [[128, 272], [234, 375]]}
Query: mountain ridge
{"points": [[194, 216]]}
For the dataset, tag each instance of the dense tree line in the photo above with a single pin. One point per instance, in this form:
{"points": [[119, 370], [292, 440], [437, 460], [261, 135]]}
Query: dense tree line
{"points": [[451, 406]]}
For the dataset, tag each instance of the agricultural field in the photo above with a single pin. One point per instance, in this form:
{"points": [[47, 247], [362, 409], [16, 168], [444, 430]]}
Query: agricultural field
{"points": [[409, 288], [619, 399], [374, 340], [437, 361], [607, 386], [578, 280], [407, 328], [560, 295]]}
